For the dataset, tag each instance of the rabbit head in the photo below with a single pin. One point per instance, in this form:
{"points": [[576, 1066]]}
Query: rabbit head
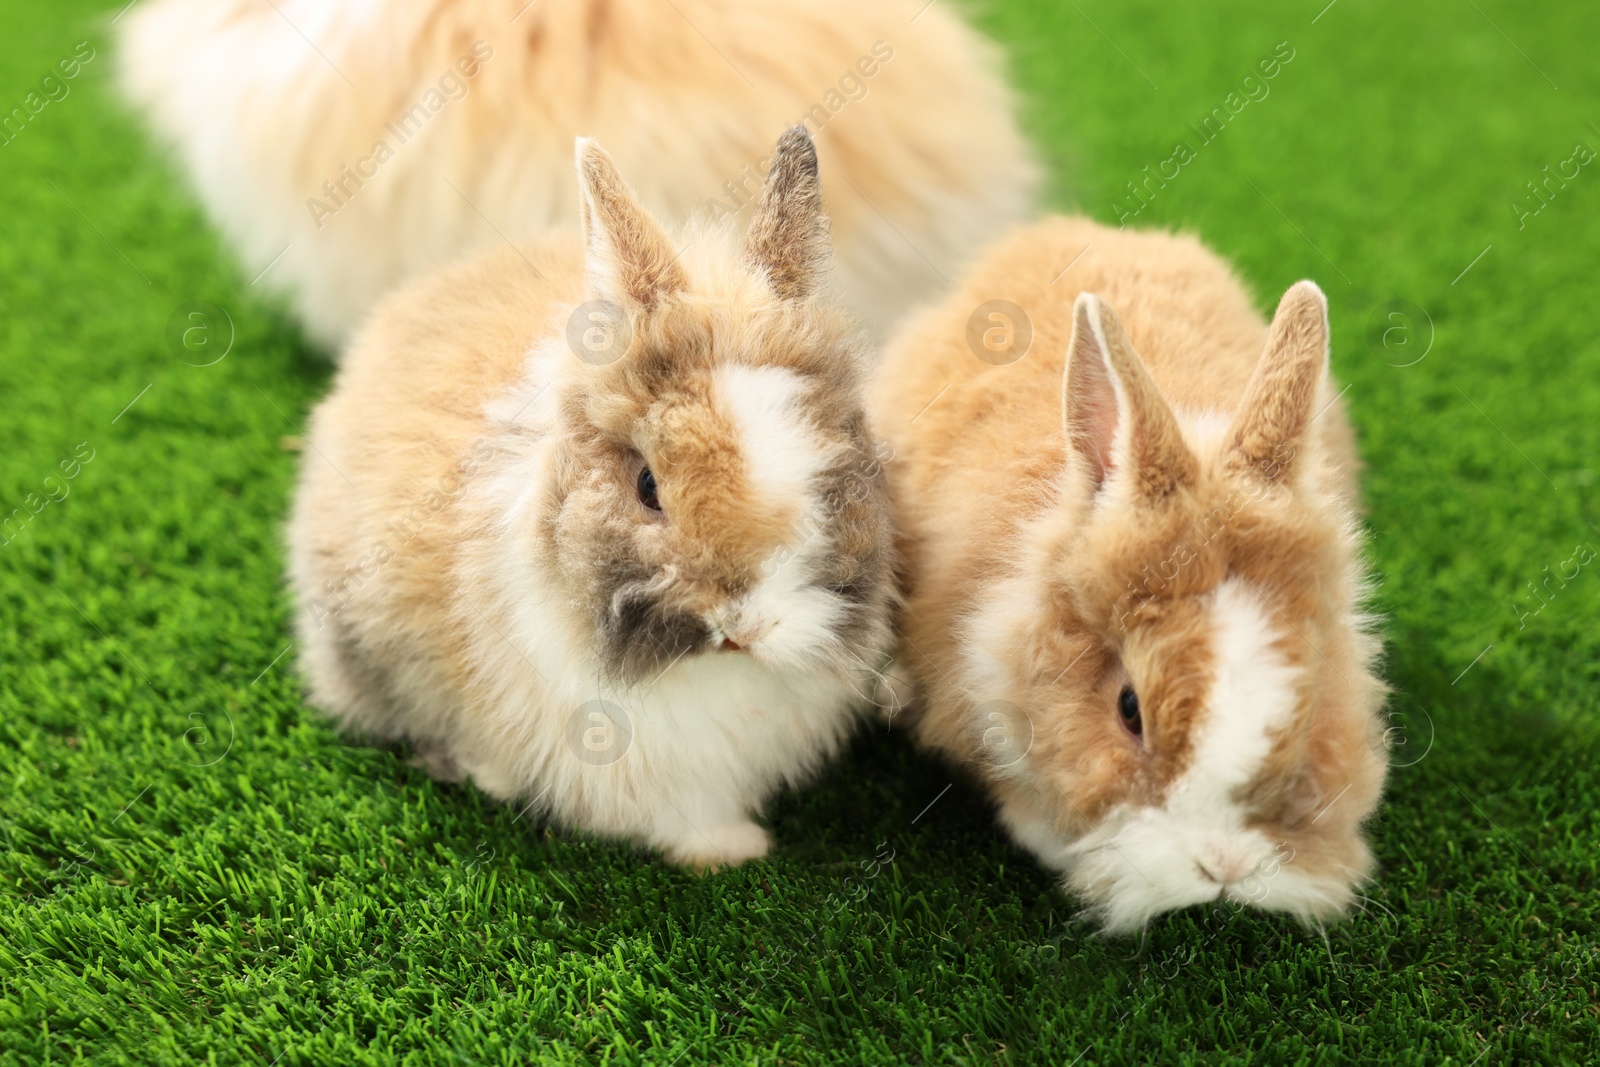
{"points": [[714, 488], [1186, 705]]}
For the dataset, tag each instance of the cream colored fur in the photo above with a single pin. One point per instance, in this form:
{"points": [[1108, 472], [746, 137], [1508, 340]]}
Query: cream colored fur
{"points": [[264, 101]]}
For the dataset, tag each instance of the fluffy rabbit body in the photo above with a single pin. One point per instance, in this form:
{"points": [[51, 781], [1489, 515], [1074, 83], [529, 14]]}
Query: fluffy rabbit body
{"points": [[1133, 584], [344, 146], [637, 587]]}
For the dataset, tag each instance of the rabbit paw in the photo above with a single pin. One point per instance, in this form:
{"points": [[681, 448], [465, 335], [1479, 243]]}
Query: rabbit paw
{"points": [[721, 846], [438, 761]]}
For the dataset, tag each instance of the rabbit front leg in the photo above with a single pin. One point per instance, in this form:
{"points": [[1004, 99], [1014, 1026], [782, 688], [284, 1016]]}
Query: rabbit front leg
{"points": [[705, 831], [712, 848], [694, 824], [1031, 830]]}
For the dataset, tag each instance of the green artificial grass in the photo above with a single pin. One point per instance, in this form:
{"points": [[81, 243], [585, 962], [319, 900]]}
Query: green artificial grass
{"points": [[197, 869]]}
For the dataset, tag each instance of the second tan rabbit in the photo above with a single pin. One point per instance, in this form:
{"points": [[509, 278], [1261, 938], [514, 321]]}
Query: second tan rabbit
{"points": [[1132, 570]]}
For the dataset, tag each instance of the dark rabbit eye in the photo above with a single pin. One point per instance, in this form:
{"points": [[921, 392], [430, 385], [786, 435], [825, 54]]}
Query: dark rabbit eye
{"points": [[647, 490], [1128, 708]]}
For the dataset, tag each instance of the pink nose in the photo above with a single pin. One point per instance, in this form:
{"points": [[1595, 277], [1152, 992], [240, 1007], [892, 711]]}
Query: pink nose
{"points": [[1225, 870], [730, 645]]}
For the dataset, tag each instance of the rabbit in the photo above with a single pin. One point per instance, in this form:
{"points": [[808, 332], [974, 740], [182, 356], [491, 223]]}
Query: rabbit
{"points": [[1132, 573], [343, 147], [600, 525]]}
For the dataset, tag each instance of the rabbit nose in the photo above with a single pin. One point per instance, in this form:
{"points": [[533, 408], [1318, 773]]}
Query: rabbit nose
{"points": [[745, 636], [737, 635], [1225, 868]]}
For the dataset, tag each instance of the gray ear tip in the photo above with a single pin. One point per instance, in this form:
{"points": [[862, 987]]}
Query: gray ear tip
{"points": [[797, 145], [796, 135]]}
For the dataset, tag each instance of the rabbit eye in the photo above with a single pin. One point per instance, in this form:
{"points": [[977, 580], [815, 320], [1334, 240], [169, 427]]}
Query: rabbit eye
{"points": [[1128, 711], [647, 490]]}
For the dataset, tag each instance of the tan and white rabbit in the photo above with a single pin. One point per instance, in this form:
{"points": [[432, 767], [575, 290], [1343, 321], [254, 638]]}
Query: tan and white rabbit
{"points": [[600, 524], [1132, 574], [343, 146]]}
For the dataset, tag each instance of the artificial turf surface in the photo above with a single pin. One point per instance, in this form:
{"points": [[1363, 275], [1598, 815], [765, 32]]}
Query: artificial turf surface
{"points": [[197, 869]]}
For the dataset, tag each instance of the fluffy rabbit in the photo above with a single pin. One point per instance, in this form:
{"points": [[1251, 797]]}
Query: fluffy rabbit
{"points": [[1133, 584], [601, 525], [343, 146]]}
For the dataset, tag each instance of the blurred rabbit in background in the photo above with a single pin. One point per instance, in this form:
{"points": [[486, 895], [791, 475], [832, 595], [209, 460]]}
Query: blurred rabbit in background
{"points": [[342, 147]]}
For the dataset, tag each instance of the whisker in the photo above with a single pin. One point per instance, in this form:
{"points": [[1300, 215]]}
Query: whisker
{"points": [[1365, 900], [879, 676], [1327, 943]]}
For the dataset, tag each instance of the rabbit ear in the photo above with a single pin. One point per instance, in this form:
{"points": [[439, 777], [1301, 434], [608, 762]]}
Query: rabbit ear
{"points": [[1276, 410], [1115, 417], [788, 238], [629, 258]]}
